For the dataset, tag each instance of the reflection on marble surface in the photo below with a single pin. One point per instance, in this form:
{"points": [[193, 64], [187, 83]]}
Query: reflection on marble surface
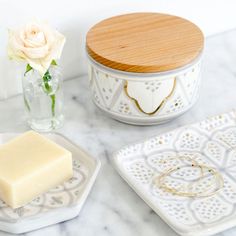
{"points": [[113, 208]]}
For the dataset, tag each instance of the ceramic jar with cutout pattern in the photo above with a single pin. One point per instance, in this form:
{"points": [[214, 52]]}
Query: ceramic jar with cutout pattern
{"points": [[144, 68]]}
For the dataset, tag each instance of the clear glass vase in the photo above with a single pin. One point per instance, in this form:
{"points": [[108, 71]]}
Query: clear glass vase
{"points": [[43, 99]]}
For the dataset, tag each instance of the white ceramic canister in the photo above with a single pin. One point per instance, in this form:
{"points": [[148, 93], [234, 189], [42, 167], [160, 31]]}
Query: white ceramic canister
{"points": [[144, 68]]}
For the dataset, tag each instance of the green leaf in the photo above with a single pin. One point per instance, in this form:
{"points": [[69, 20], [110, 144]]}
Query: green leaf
{"points": [[46, 78], [28, 68], [54, 63], [48, 89]]}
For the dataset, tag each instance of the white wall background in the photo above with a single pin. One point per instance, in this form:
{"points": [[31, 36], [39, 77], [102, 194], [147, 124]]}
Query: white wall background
{"points": [[74, 17]]}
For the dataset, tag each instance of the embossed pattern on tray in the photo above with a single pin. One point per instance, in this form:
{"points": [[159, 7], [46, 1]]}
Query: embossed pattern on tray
{"points": [[210, 142]]}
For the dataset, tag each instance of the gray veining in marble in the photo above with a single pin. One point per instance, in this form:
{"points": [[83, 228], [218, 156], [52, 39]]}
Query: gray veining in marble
{"points": [[112, 208]]}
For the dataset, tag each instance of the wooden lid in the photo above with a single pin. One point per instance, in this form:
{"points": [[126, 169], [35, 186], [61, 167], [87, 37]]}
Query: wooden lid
{"points": [[144, 42]]}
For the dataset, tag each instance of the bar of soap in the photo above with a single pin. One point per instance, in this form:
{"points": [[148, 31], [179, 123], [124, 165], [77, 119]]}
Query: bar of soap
{"points": [[30, 165]]}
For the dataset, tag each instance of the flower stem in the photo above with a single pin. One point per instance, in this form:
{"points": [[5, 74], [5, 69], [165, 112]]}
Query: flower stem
{"points": [[27, 69], [53, 98], [26, 103]]}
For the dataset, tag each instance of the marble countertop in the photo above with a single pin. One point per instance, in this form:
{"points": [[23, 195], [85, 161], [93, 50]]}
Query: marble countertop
{"points": [[112, 207]]}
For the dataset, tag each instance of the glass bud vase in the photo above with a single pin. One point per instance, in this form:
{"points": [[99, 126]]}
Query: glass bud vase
{"points": [[43, 99]]}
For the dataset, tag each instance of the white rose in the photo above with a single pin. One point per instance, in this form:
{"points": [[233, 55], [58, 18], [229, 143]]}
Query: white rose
{"points": [[37, 44]]}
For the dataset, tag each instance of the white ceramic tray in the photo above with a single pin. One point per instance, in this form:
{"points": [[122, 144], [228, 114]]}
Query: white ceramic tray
{"points": [[59, 204], [210, 142]]}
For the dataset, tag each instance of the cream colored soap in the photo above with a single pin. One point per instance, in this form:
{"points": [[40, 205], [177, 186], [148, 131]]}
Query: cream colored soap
{"points": [[30, 165]]}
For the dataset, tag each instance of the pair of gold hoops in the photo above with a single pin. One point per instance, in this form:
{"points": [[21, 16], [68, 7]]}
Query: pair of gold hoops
{"points": [[217, 177]]}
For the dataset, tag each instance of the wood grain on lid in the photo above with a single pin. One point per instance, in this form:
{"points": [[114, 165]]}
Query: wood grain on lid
{"points": [[144, 42]]}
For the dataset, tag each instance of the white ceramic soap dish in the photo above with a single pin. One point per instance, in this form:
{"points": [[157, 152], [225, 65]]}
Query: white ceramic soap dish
{"points": [[211, 142], [59, 204]]}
